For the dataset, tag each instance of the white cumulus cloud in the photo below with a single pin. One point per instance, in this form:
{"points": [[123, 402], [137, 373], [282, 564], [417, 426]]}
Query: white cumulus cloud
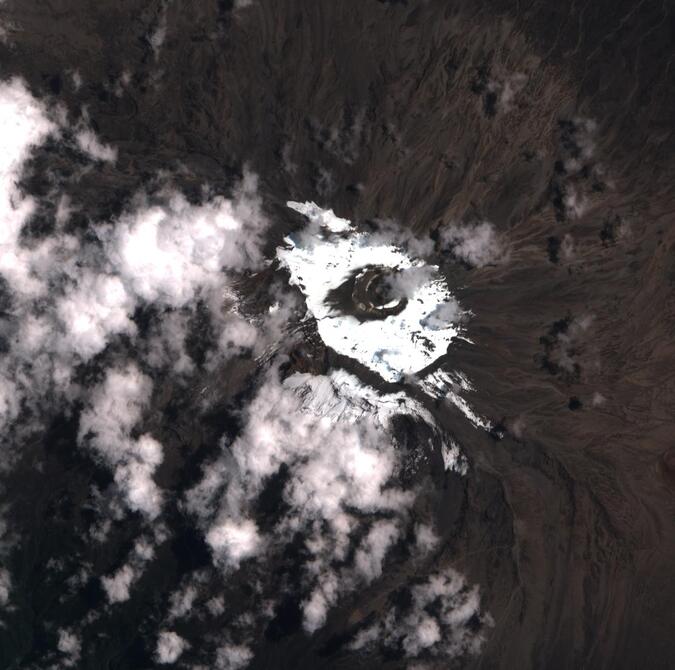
{"points": [[114, 408], [332, 436], [169, 648], [70, 645], [444, 620], [476, 244]]}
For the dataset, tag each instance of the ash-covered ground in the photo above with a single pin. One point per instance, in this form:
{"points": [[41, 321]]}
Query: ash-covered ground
{"points": [[337, 334]]}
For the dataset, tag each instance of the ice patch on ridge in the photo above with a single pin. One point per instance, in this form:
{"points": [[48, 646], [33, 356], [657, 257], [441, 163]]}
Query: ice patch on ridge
{"points": [[325, 254], [453, 459], [321, 217], [342, 397], [437, 383], [441, 384]]}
